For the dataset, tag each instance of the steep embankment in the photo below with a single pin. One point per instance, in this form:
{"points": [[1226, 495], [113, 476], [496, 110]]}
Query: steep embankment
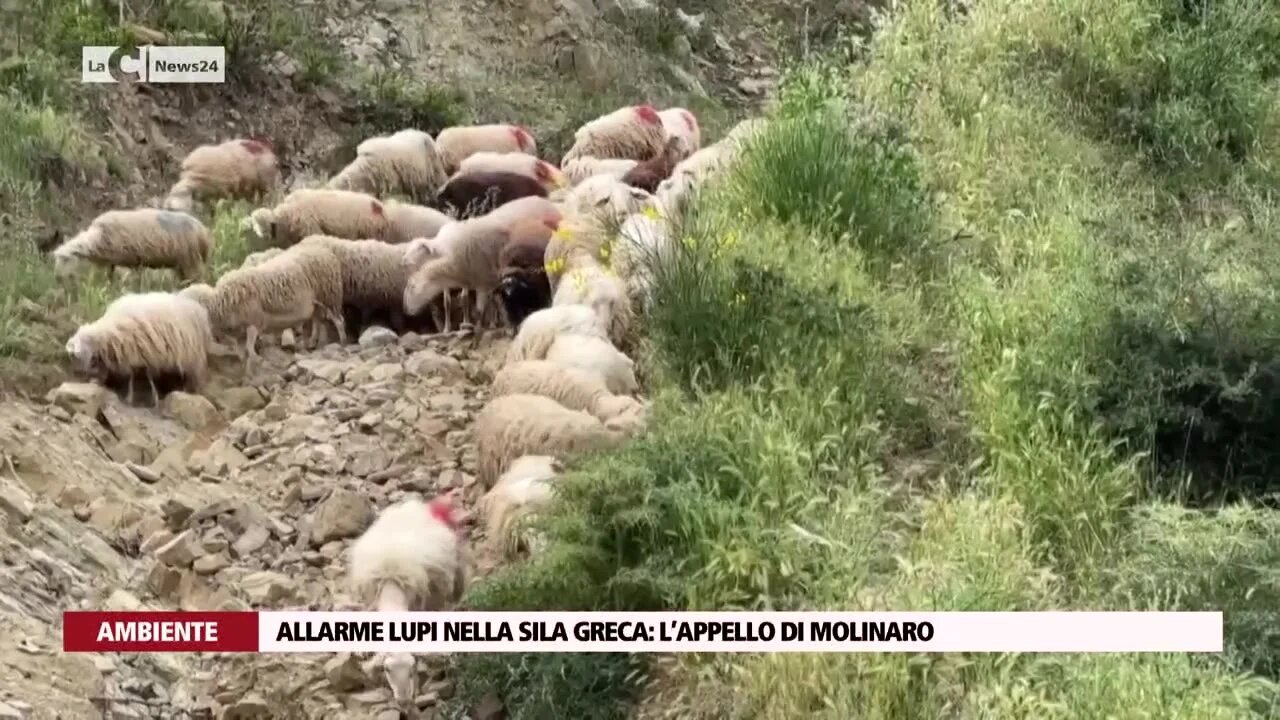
{"points": [[248, 500]]}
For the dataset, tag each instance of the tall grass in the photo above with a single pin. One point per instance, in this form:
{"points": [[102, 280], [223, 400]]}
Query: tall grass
{"points": [[928, 346]]}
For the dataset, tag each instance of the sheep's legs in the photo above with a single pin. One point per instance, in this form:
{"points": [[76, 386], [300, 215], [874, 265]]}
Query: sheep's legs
{"points": [[446, 300], [466, 307], [339, 325], [128, 396], [482, 310], [155, 394], [250, 348]]}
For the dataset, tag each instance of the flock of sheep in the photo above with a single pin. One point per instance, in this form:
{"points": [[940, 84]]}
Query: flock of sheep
{"points": [[563, 254]]}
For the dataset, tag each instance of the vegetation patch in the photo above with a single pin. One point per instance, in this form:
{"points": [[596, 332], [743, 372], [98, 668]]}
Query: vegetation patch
{"points": [[936, 257]]}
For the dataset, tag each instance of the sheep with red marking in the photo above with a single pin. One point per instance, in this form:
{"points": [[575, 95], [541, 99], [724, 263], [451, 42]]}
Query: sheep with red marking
{"points": [[634, 133], [241, 168], [514, 162], [405, 162], [411, 558], [456, 144], [678, 122], [341, 213], [474, 194]]}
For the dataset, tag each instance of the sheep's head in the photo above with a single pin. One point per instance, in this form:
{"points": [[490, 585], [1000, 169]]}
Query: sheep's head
{"points": [[262, 223], [442, 510], [69, 264], [423, 287], [402, 675], [83, 358]]}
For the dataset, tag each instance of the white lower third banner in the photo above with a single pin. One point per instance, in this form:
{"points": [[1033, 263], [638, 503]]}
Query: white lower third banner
{"points": [[676, 632]]}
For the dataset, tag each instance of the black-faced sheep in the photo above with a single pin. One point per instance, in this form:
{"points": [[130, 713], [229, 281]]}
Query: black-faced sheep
{"points": [[138, 238], [456, 144], [634, 133], [243, 168], [405, 162], [515, 425], [524, 285], [340, 213], [156, 334], [411, 559], [475, 194]]}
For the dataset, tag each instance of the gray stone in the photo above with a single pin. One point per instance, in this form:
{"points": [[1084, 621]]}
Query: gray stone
{"points": [[249, 707], [179, 552], [251, 541], [326, 370], [374, 335], [76, 397], [194, 412], [344, 673], [429, 363], [384, 372], [265, 587], [211, 564], [239, 400], [343, 514]]}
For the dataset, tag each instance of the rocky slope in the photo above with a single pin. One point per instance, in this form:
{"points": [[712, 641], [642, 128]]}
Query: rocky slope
{"points": [[246, 501]]}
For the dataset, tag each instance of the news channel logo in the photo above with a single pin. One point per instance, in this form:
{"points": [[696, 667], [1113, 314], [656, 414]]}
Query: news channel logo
{"points": [[154, 64]]}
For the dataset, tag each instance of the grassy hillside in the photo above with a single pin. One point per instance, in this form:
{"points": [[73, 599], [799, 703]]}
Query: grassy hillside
{"points": [[988, 320]]}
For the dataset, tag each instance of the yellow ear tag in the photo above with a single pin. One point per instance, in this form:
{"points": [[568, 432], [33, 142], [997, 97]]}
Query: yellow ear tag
{"points": [[651, 212]]}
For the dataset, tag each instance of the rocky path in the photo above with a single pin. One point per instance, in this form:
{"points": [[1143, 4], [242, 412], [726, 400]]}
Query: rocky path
{"points": [[245, 499]]}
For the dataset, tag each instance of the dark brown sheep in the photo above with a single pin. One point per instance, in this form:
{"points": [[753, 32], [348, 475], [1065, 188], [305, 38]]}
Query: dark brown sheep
{"points": [[475, 194], [650, 173]]}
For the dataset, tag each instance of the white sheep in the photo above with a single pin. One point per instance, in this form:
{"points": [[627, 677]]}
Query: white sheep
{"points": [[340, 213], [514, 162], [405, 162], [572, 387], [679, 122], [581, 168], [524, 489], [242, 168], [688, 175], [408, 222], [138, 238], [634, 133], [743, 133], [456, 144], [642, 245], [472, 263], [283, 292], [539, 331], [603, 197], [596, 355], [515, 425], [586, 281], [154, 333], [411, 559]]}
